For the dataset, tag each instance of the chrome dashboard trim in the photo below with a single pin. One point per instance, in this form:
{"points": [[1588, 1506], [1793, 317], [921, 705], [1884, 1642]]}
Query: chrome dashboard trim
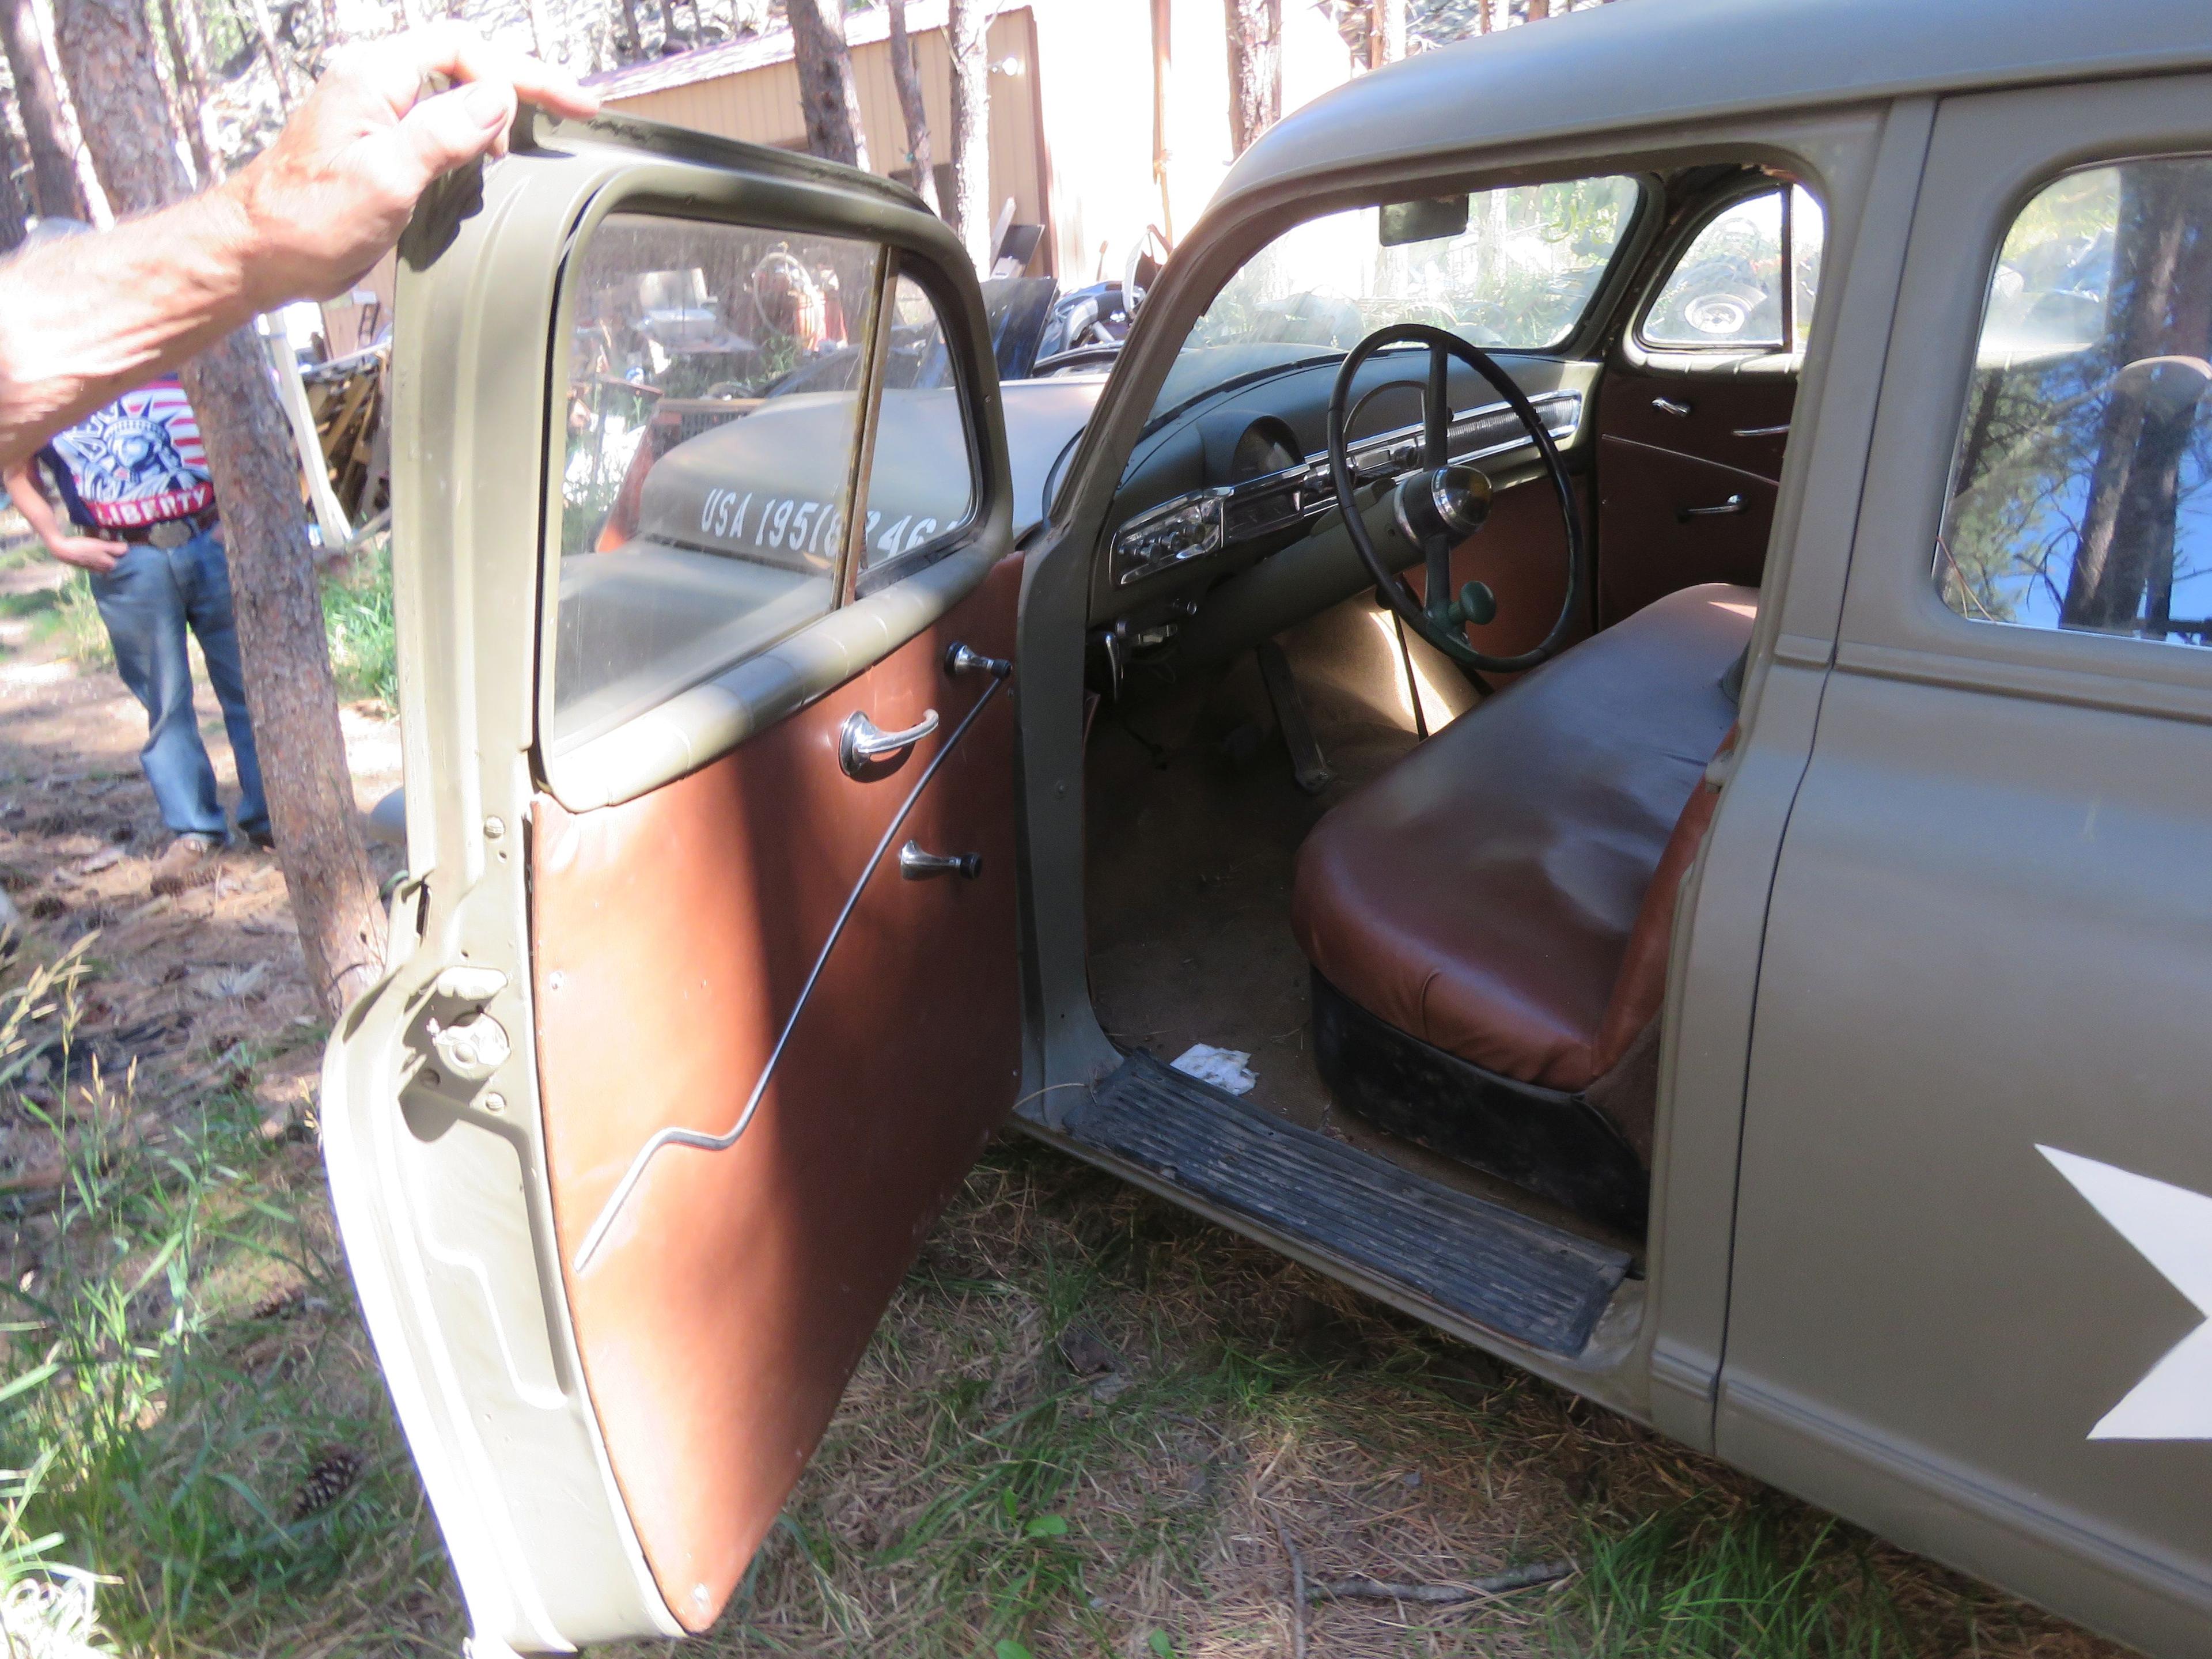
{"points": [[1311, 493]]}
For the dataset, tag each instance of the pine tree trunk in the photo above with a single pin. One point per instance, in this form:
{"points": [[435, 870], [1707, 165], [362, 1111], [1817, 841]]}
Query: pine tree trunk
{"points": [[180, 22], [1386, 32], [633, 36], [257, 15], [912, 107], [1537, 9], [967, 27], [13, 209], [829, 97], [1256, 69], [57, 191], [107, 55]]}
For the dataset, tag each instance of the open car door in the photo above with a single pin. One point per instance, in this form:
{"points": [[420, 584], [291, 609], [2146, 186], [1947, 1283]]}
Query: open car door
{"points": [[704, 991]]}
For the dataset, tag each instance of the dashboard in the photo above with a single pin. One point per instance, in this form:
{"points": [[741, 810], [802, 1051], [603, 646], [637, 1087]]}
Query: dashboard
{"points": [[1240, 476]]}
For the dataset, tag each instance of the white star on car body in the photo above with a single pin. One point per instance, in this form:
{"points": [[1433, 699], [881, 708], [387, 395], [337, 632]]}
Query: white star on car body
{"points": [[2172, 1226]]}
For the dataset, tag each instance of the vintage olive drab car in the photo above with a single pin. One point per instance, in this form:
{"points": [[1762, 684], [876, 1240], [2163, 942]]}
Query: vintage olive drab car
{"points": [[1625, 638]]}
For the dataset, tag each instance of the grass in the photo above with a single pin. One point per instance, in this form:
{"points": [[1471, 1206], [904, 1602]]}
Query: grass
{"points": [[977, 1497], [1087, 1427], [357, 617], [190, 1409]]}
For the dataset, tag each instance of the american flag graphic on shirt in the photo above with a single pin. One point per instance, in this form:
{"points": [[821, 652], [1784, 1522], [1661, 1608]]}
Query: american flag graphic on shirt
{"points": [[139, 460]]}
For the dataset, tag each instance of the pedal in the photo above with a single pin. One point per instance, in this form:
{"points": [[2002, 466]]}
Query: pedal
{"points": [[1308, 765]]}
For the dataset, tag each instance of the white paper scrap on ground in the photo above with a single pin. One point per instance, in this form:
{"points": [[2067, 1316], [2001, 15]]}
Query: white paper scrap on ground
{"points": [[1229, 1069]]}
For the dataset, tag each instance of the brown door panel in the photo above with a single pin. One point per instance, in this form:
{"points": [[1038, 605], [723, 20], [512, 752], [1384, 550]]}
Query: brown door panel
{"points": [[1656, 535], [736, 1289], [1728, 418]]}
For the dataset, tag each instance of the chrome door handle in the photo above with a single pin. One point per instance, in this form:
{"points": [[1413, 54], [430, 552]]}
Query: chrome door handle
{"points": [[917, 865], [859, 740], [1733, 504], [1669, 406]]}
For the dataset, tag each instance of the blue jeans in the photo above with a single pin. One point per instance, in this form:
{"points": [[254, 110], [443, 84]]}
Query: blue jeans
{"points": [[148, 601]]}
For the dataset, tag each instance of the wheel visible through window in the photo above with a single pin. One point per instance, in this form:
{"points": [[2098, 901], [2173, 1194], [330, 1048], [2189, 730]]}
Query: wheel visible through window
{"points": [[1726, 289], [2081, 494]]}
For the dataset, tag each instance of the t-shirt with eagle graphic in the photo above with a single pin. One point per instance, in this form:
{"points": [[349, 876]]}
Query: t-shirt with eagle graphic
{"points": [[137, 462]]}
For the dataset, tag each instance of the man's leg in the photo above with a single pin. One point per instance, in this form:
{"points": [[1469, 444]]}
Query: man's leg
{"points": [[203, 573], [144, 611]]}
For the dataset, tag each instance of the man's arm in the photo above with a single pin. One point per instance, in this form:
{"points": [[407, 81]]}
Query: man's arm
{"points": [[86, 552], [86, 319]]}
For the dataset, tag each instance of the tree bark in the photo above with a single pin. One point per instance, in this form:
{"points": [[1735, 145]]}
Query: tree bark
{"points": [[257, 15], [188, 74], [1256, 69], [633, 44], [1386, 32], [1537, 9], [967, 30], [13, 209], [911, 106], [107, 55], [829, 97], [57, 191]]}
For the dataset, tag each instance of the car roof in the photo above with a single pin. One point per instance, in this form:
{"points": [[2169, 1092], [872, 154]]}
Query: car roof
{"points": [[1636, 63]]}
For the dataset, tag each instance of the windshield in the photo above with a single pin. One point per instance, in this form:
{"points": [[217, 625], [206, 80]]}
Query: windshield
{"points": [[1516, 272]]}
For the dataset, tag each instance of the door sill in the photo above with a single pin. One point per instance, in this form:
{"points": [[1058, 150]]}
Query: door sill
{"points": [[1467, 1265]]}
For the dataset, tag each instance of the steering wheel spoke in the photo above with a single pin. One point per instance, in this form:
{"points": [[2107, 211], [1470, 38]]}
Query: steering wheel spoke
{"points": [[1454, 497], [1437, 411]]}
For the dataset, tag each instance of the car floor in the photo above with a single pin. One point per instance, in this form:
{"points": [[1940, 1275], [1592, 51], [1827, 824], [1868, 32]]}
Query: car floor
{"points": [[1194, 822]]}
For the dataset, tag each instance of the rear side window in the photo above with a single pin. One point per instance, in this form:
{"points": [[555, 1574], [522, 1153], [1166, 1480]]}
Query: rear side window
{"points": [[2081, 494], [1726, 290]]}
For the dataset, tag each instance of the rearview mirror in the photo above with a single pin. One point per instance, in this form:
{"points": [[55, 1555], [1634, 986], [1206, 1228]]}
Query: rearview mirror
{"points": [[1428, 221]]}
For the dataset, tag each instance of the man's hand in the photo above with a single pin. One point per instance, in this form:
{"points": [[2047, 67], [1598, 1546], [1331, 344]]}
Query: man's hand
{"points": [[86, 552], [324, 202]]}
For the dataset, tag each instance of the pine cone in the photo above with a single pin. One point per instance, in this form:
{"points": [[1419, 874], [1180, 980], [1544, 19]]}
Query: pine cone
{"points": [[331, 1478]]}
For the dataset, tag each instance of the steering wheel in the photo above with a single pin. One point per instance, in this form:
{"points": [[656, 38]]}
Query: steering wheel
{"points": [[1444, 503]]}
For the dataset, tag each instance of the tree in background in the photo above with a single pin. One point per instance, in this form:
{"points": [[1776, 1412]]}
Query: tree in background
{"points": [[1386, 32], [967, 33], [13, 211], [912, 109], [828, 96], [1256, 69], [56, 190], [107, 58], [188, 74]]}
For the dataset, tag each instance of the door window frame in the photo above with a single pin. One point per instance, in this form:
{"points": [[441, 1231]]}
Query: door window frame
{"points": [[672, 189], [645, 198], [1989, 156], [1722, 357]]}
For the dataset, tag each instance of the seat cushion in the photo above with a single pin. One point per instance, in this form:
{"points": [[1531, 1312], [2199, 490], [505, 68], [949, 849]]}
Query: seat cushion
{"points": [[1481, 894]]}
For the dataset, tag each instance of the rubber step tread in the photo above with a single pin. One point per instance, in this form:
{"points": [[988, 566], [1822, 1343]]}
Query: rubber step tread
{"points": [[1520, 1277]]}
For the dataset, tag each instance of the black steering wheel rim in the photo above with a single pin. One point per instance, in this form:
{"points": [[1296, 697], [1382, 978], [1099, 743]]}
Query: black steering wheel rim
{"points": [[1429, 617]]}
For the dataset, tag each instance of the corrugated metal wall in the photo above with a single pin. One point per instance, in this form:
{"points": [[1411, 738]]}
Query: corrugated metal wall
{"points": [[760, 106]]}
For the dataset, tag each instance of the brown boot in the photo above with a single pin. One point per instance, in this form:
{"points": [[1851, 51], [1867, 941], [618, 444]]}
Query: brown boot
{"points": [[188, 861]]}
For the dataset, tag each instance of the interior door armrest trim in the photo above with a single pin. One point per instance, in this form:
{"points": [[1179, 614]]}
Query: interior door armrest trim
{"points": [[692, 728]]}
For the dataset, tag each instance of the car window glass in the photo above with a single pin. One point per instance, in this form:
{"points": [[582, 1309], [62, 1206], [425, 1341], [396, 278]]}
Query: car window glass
{"points": [[1725, 290], [921, 485], [2081, 489], [1518, 273], [711, 408]]}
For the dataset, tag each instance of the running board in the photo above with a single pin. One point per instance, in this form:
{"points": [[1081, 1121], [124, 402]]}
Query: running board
{"points": [[1526, 1281]]}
